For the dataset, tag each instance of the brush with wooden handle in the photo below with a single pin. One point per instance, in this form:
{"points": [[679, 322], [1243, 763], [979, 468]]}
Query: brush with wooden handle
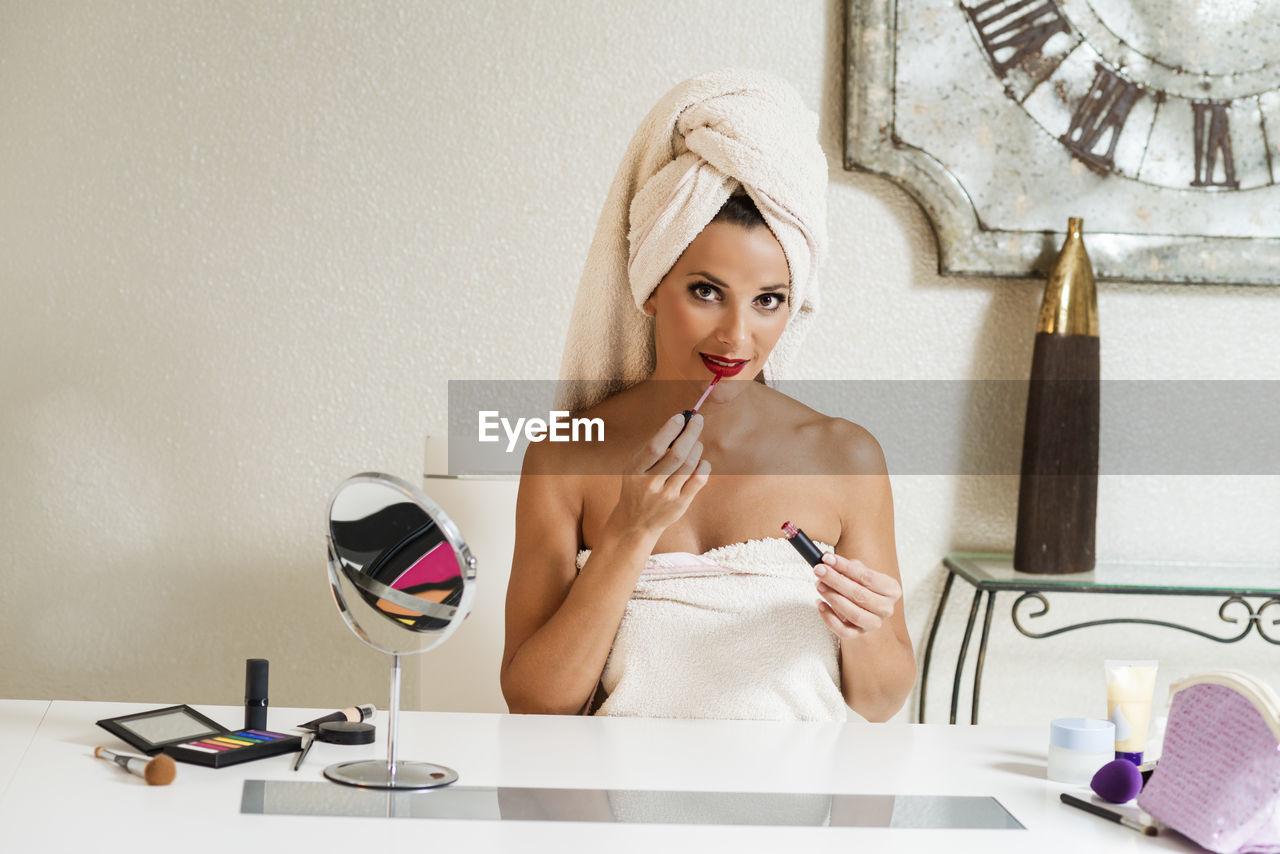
{"points": [[157, 771]]}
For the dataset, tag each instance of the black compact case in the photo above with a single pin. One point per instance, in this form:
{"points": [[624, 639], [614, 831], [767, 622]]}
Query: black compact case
{"points": [[180, 731]]}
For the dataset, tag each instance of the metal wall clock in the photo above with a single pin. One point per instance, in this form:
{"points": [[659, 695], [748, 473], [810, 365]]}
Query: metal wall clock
{"points": [[1158, 121]]}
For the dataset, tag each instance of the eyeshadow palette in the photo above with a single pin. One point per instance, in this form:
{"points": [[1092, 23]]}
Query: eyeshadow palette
{"points": [[230, 748], [189, 736], [154, 730]]}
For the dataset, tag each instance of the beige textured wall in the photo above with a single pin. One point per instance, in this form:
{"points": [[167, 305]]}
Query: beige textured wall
{"points": [[245, 244]]}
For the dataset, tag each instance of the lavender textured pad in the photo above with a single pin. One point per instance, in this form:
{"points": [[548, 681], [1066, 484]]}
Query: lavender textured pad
{"points": [[1119, 781]]}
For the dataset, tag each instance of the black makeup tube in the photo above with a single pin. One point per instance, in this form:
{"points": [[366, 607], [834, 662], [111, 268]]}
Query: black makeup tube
{"points": [[807, 548], [255, 693], [351, 714], [687, 413]]}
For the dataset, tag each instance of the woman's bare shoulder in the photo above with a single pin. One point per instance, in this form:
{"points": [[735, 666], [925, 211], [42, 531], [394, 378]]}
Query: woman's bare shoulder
{"points": [[852, 446], [614, 407], [841, 445], [594, 453]]}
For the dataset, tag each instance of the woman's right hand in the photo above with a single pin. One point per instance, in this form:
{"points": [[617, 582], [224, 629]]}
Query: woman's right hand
{"points": [[660, 481]]}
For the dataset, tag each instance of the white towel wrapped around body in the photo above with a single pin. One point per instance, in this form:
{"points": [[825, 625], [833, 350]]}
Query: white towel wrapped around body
{"points": [[707, 137], [733, 633]]}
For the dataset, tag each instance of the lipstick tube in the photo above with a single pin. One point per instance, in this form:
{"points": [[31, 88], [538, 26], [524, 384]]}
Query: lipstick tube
{"points": [[807, 548], [255, 693]]}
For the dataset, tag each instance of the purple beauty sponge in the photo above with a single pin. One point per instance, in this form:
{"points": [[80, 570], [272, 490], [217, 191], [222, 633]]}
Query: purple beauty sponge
{"points": [[1119, 781]]}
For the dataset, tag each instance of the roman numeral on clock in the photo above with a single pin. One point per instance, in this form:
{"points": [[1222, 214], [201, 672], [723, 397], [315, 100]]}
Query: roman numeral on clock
{"points": [[1101, 112], [1212, 138], [1015, 29]]}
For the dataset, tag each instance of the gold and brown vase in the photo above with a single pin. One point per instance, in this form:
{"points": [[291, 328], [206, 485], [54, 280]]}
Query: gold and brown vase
{"points": [[1058, 492]]}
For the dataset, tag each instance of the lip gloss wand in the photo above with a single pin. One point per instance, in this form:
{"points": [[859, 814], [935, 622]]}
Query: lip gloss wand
{"points": [[689, 413]]}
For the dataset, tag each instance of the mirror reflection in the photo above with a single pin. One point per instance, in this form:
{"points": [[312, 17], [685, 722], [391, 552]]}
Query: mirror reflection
{"points": [[389, 546]]}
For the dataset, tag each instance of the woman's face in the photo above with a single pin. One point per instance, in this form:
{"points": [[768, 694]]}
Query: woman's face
{"points": [[723, 304]]}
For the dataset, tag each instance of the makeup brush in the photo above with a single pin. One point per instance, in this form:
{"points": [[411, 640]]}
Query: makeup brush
{"points": [[1109, 815], [158, 771]]}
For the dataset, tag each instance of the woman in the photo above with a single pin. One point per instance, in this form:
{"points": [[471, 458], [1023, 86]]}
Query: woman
{"points": [[649, 574]]}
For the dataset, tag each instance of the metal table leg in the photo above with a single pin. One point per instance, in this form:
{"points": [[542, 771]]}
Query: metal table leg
{"points": [[928, 647], [982, 656], [964, 651]]}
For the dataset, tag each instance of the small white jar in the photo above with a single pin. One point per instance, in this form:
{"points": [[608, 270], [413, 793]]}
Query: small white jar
{"points": [[1078, 747]]}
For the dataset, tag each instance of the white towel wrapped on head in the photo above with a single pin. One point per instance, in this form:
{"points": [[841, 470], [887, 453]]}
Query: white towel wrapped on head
{"points": [[708, 136]]}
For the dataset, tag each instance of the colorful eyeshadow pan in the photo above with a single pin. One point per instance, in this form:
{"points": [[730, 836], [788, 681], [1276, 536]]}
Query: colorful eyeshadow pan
{"points": [[232, 748]]}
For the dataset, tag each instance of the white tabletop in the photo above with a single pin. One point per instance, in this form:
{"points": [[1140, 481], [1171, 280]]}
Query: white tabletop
{"points": [[19, 720], [60, 794]]}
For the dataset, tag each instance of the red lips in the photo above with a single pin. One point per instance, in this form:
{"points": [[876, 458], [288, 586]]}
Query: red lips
{"points": [[722, 367]]}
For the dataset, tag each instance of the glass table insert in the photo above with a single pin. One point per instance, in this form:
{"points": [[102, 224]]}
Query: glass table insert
{"points": [[631, 806]]}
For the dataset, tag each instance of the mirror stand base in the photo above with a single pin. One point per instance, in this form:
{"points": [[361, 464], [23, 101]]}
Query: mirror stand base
{"points": [[373, 774]]}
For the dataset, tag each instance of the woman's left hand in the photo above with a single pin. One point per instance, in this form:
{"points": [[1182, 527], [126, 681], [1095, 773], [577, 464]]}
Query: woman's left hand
{"points": [[855, 598]]}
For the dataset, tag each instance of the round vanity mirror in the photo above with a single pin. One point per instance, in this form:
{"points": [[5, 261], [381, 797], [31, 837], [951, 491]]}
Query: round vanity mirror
{"points": [[403, 580]]}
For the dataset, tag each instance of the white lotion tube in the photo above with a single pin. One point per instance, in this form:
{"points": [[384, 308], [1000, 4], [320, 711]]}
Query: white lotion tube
{"points": [[1130, 688]]}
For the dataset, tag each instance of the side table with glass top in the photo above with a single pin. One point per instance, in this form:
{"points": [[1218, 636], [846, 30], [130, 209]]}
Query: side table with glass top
{"points": [[989, 574]]}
